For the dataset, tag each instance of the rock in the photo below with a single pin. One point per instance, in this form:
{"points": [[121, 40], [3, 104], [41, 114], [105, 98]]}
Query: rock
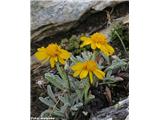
{"points": [[56, 12], [124, 20], [127, 118], [108, 3], [51, 17], [119, 111]]}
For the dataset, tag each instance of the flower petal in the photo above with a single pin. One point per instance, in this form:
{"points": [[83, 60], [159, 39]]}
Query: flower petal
{"points": [[52, 62], [91, 77], [110, 49], [83, 74], [45, 60], [56, 59], [83, 38], [77, 66], [42, 49], [98, 45], [99, 74], [107, 49], [65, 54], [76, 73], [86, 42], [40, 55], [61, 60], [93, 46]]}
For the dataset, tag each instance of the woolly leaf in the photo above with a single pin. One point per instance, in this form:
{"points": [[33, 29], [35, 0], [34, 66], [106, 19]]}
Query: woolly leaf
{"points": [[47, 101], [55, 80], [76, 106], [50, 93]]}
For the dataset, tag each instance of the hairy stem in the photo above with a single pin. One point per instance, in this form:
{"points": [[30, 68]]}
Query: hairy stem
{"points": [[64, 76], [121, 42]]}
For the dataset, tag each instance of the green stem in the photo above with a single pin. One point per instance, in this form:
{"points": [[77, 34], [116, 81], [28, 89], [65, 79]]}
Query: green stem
{"points": [[89, 81], [69, 85], [107, 59], [94, 55], [64, 76], [121, 42]]}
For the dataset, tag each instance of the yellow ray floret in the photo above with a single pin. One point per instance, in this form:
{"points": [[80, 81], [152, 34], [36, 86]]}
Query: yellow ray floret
{"points": [[87, 68], [53, 53], [98, 40]]}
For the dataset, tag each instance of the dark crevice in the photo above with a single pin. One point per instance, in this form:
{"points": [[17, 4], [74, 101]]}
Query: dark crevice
{"points": [[87, 23]]}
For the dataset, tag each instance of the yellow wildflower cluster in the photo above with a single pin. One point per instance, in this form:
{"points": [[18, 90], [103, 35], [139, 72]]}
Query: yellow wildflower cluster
{"points": [[98, 40], [87, 68], [53, 53]]}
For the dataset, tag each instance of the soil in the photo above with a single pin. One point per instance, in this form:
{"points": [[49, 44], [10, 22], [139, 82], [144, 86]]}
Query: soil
{"points": [[118, 93], [36, 90], [91, 24]]}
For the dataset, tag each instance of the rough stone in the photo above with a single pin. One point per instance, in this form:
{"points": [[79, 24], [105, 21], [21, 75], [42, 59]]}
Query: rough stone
{"points": [[53, 16], [119, 111], [123, 20]]}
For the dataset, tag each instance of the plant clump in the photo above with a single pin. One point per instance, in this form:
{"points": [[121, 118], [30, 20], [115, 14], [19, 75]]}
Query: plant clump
{"points": [[120, 37], [79, 77]]}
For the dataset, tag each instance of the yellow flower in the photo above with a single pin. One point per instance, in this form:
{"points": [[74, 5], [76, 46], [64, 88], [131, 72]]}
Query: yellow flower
{"points": [[87, 68], [98, 40], [53, 53]]}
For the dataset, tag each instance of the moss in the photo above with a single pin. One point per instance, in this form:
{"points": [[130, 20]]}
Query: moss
{"points": [[121, 31], [73, 45]]}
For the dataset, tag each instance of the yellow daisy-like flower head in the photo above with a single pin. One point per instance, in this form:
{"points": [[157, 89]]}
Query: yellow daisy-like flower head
{"points": [[98, 40], [83, 69], [53, 53]]}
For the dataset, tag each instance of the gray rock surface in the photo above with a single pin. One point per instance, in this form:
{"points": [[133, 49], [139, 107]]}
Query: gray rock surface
{"points": [[123, 20], [57, 12], [119, 111], [52, 16]]}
